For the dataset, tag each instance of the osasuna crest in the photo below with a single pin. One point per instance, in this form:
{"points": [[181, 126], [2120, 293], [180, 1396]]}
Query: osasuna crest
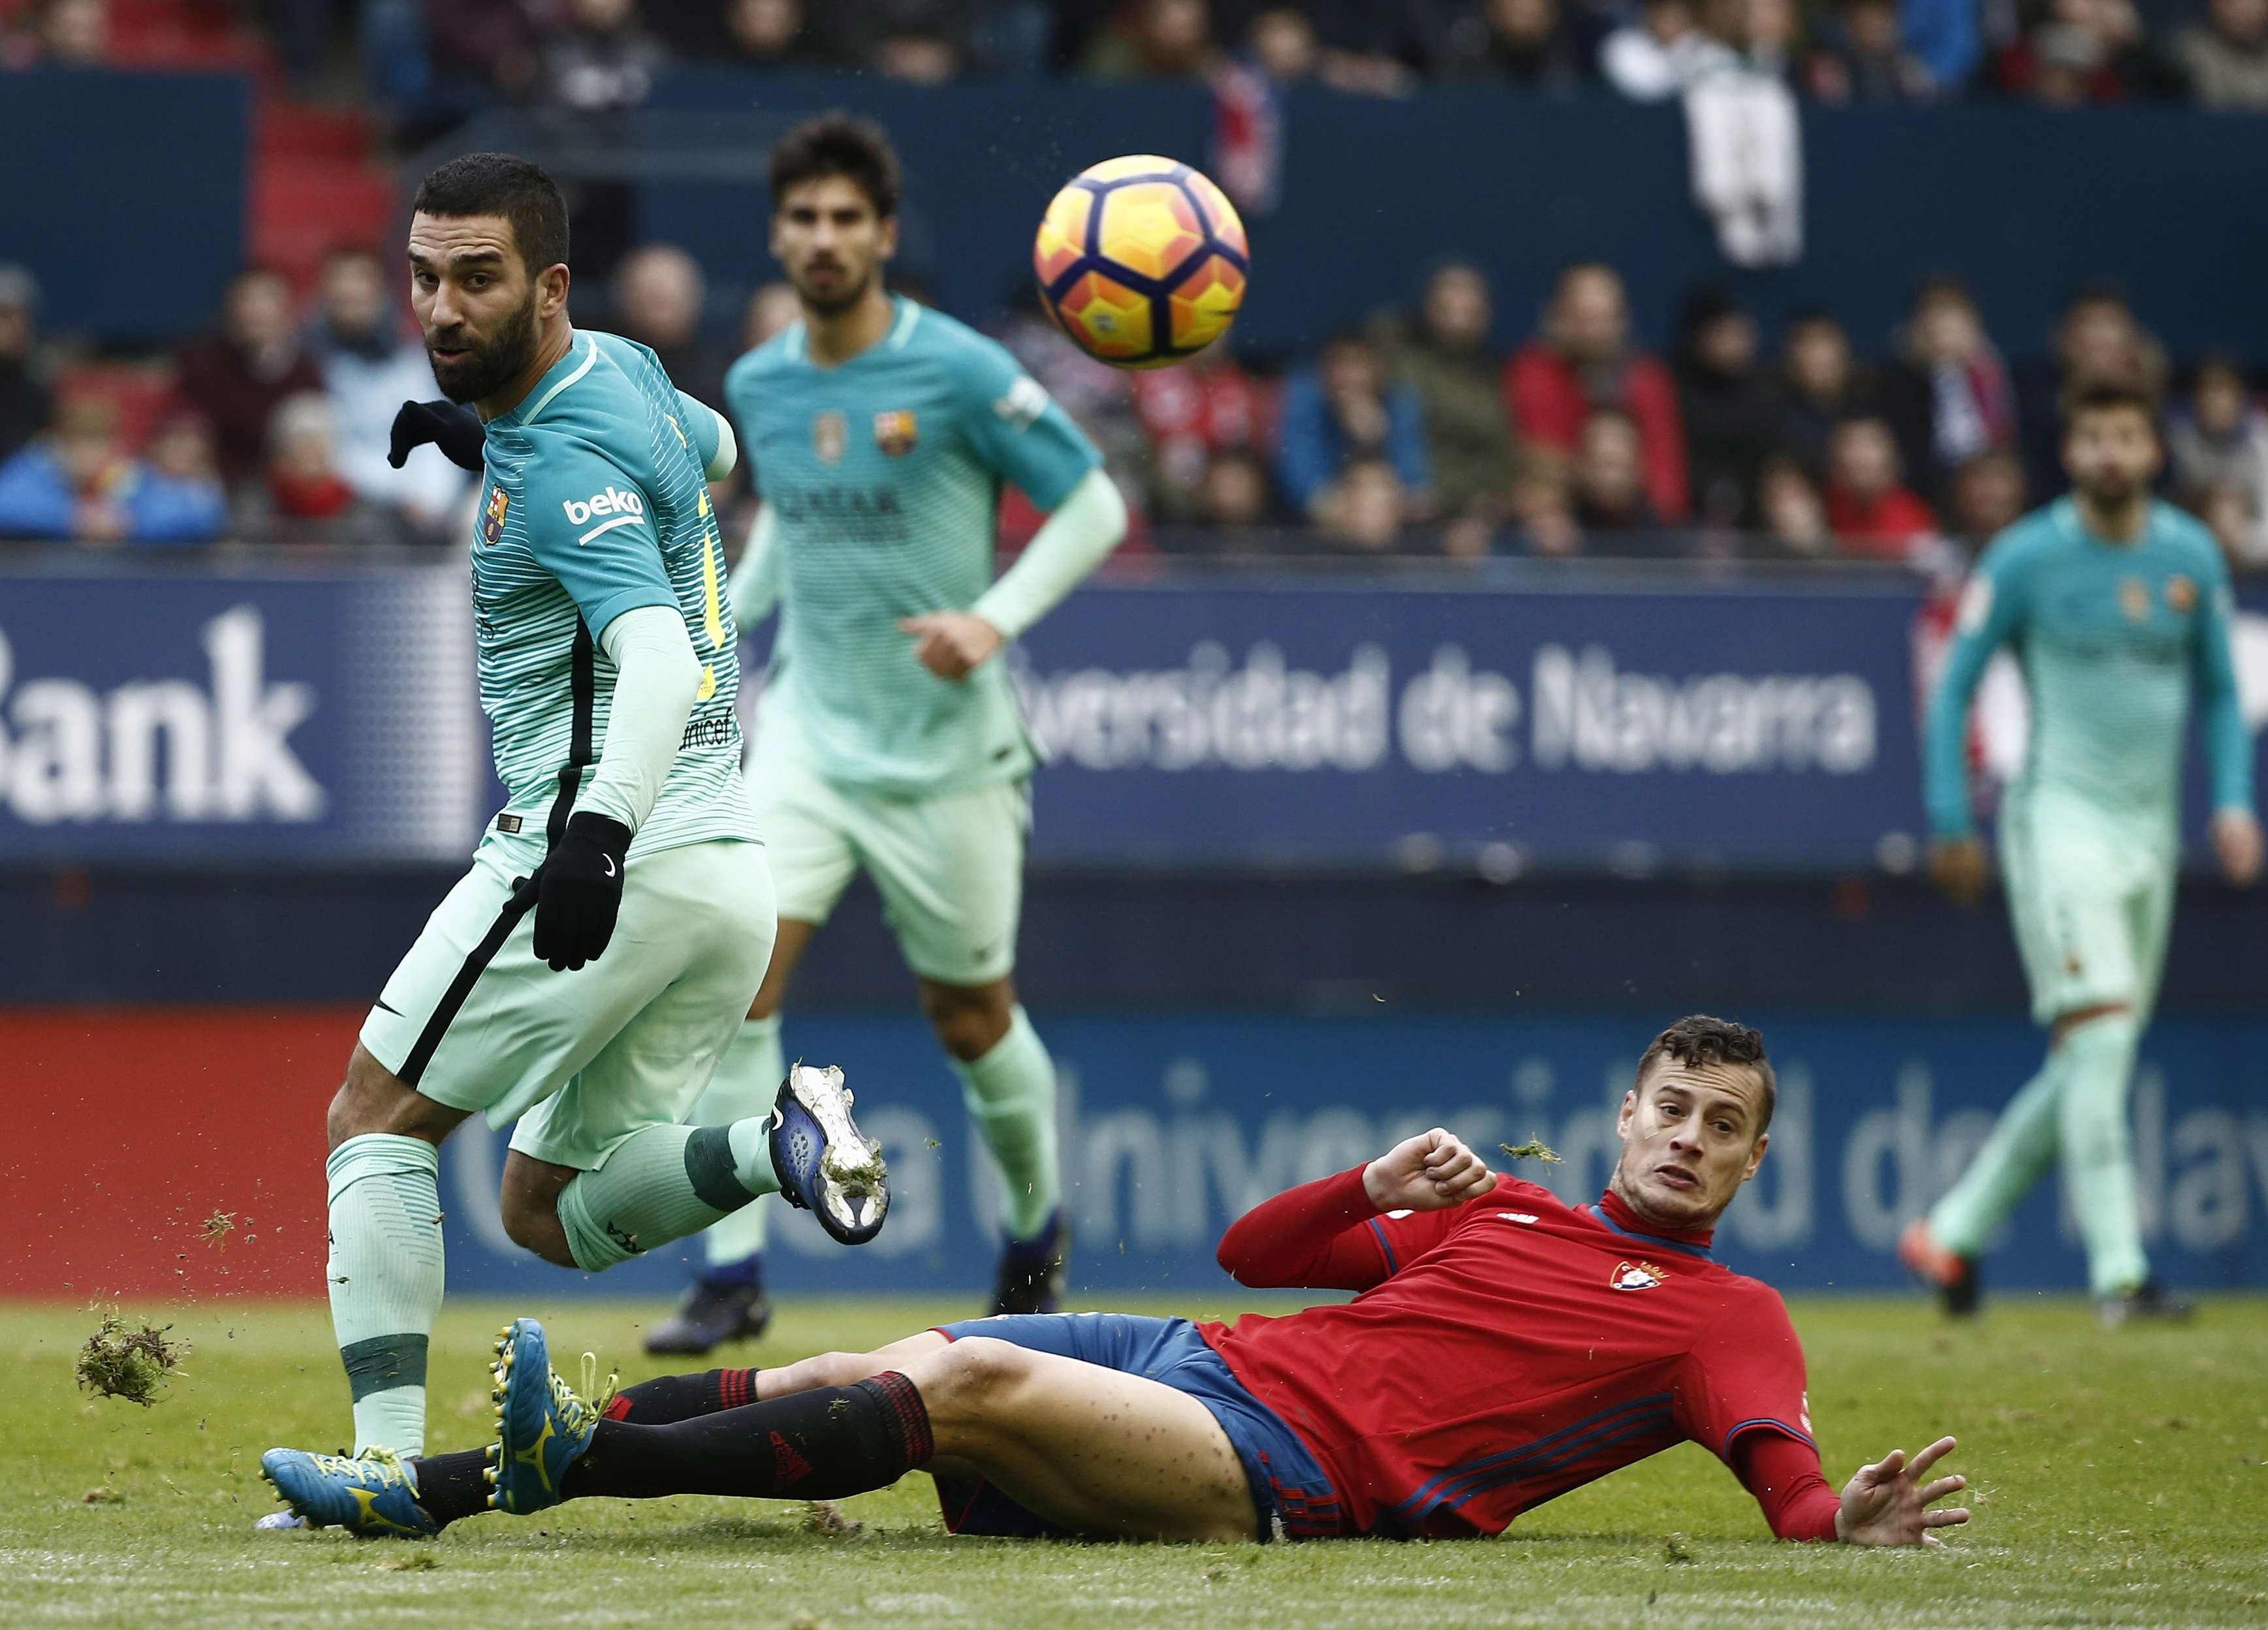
{"points": [[830, 433], [893, 432], [492, 517], [1635, 1276]]}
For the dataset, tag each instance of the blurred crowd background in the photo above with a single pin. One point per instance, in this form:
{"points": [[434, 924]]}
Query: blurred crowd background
{"points": [[1413, 434]]}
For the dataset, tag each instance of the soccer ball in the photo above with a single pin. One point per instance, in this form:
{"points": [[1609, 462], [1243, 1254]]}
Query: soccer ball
{"points": [[1142, 262]]}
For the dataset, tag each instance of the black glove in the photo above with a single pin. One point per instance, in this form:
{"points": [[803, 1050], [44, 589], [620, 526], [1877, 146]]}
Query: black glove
{"points": [[578, 889], [458, 432]]}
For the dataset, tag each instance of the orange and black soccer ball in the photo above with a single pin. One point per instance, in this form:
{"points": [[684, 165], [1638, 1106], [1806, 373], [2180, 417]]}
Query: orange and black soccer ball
{"points": [[1142, 262]]}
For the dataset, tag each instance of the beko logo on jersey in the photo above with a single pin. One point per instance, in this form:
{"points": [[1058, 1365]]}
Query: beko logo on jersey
{"points": [[624, 507]]}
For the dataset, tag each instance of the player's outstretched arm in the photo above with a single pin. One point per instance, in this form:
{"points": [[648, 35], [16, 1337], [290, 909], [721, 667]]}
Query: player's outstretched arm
{"points": [[1327, 1234], [1887, 1503]]}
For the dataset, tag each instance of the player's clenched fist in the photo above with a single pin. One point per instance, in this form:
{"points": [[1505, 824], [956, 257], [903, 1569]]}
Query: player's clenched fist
{"points": [[1429, 1172], [951, 644], [579, 891]]}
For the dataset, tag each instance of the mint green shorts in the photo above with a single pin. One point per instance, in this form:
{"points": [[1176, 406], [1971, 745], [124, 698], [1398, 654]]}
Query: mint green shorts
{"points": [[584, 1058], [950, 868], [2091, 898]]}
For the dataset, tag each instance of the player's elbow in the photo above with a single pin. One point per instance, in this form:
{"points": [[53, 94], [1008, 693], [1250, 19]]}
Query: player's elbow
{"points": [[1111, 518]]}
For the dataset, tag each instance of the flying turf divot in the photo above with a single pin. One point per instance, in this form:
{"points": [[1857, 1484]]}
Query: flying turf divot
{"points": [[133, 1364]]}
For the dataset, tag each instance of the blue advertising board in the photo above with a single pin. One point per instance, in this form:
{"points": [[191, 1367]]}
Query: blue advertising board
{"points": [[1174, 1126]]}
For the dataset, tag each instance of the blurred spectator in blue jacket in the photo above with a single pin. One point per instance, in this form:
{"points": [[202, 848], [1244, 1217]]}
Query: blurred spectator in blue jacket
{"points": [[26, 405], [1864, 59], [1944, 34], [1340, 411], [78, 483], [370, 366]]}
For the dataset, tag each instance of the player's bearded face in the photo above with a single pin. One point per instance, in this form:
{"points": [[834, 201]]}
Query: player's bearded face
{"points": [[831, 242], [469, 364], [1690, 1140], [2112, 454]]}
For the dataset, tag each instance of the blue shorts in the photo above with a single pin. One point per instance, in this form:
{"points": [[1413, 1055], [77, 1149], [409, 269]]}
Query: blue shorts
{"points": [[1291, 1497]]}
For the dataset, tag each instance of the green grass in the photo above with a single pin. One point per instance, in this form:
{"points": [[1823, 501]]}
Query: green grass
{"points": [[2118, 1479]]}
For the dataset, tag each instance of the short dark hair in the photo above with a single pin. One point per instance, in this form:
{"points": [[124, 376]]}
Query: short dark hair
{"points": [[501, 184], [1697, 1038], [2102, 394], [838, 143]]}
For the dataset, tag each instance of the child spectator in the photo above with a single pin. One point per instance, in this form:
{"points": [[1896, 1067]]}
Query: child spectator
{"points": [[1729, 411], [1367, 507], [1820, 387], [238, 377], [1339, 412], [1948, 397], [1987, 498], [1794, 517], [302, 496], [78, 483], [1444, 356], [2220, 441], [1543, 508], [1233, 501], [1583, 360], [1611, 504], [1873, 516]]}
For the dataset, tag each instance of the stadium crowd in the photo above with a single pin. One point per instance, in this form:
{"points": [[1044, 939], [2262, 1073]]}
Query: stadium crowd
{"points": [[1409, 436]]}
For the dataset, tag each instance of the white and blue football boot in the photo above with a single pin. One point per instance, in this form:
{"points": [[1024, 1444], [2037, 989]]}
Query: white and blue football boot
{"points": [[373, 1494], [826, 1165]]}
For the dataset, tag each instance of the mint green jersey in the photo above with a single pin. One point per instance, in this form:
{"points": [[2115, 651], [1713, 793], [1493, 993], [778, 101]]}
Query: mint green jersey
{"points": [[2113, 638], [595, 504], [883, 475]]}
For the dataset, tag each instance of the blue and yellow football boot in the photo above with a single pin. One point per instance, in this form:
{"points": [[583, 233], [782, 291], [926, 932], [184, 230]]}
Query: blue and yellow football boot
{"points": [[373, 1494], [544, 1424]]}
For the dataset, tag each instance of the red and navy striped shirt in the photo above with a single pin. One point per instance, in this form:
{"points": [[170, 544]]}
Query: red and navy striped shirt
{"points": [[1508, 1349]]}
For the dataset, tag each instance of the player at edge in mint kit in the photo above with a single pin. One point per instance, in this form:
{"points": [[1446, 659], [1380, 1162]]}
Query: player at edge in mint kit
{"points": [[887, 738], [585, 976], [2118, 607]]}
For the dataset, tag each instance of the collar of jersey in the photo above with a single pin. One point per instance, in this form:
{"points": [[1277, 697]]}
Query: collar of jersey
{"points": [[582, 351], [2067, 518], [901, 330], [1611, 1213]]}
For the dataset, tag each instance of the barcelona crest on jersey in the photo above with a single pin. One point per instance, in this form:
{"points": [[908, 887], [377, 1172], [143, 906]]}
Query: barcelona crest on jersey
{"points": [[893, 432], [492, 517]]}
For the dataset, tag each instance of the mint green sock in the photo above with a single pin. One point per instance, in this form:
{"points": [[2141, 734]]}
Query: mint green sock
{"points": [[386, 1274], [2098, 1150], [2017, 1155], [748, 1079], [1011, 1094], [661, 1183]]}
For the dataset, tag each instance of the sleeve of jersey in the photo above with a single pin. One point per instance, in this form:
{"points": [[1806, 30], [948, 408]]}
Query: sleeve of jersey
{"points": [[591, 526], [1784, 1475], [2220, 709], [1020, 433], [1990, 610], [1744, 1375], [1327, 1236], [712, 435]]}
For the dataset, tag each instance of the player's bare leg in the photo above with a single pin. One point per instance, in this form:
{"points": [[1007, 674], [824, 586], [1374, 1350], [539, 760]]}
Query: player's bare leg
{"points": [[1008, 1083]]}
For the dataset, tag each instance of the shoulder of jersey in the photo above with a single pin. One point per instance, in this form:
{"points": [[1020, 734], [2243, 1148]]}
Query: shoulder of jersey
{"points": [[952, 340], [2187, 529], [771, 357]]}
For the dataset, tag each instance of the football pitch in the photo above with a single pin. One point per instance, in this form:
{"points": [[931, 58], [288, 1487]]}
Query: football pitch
{"points": [[2118, 1479]]}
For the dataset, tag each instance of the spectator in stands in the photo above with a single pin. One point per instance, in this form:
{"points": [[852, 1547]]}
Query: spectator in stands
{"points": [[1610, 505], [598, 58], [917, 41], [1341, 411], [2218, 440], [1542, 507], [493, 42], [660, 297], [1864, 59], [1443, 353], [1795, 516], [1662, 52], [1873, 516], [2085, 52], [1282, 43], [302, 496], [1194, 415], [2096, 341], [1583, 359], [2226, 56], [2232, 514], [772, 34], [370, 366], [181, 449], [78, 483], [1517, 42], [1234, 503], [1154, 39], [1771, 37], [1946, 35], [1368, 508], [1381, 47], [25, 403], [59, 33], [237, 378], [1820, 387], [1948, 397], [771, 309], [1987, 498], [1729, 411]]}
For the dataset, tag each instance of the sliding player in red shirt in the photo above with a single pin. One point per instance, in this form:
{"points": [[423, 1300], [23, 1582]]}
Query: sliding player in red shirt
{"points": [[1505, 1349]]}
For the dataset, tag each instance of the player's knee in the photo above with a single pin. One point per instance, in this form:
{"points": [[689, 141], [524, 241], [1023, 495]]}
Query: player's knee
{"points": [[532, 1222], [972, 1373], [969, 1023]]}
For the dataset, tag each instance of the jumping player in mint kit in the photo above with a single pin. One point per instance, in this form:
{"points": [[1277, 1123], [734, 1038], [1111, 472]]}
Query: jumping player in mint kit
{"points": [[2118, 607], [887, 740], [586, 974]]}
